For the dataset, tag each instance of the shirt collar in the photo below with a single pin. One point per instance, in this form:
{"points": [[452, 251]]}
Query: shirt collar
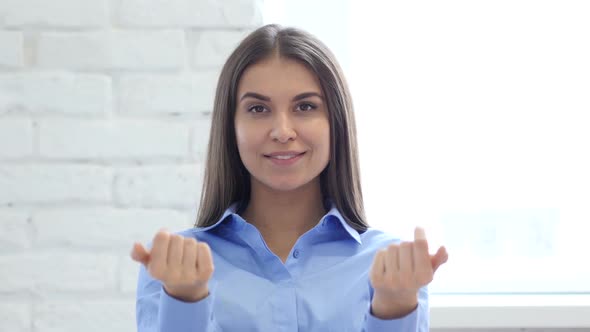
{"points": [[231, 215], [230, 211], [336, 213]]}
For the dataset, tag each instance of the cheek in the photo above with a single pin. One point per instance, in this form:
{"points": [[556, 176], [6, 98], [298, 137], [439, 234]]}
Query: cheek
{"points": [[319, 140], [246, 137], [240, 138], [323, 139], [241, 131], [326, 146]]}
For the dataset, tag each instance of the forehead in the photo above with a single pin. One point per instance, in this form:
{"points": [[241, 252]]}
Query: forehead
{"points": [[276, 76]]}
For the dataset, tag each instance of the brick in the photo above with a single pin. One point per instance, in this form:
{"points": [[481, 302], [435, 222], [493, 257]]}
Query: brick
{"points": [[57, 13], [100, 139], [188, 13], [54, 183], [169, 13], [205, 83], [212, 48], [103, 228], [159, 186], [14, 231], [242, 13], [113, 315], [12, 50], [200, 139], [15, 317], [114, 50], [167, 93], [128, 274], [16, 138], [55, 271], [55, 93]]}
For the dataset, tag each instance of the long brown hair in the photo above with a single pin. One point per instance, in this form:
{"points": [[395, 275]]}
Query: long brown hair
{"points": [[226, 179]]}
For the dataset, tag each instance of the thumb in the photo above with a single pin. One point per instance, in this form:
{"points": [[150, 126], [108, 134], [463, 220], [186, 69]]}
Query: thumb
{"points": [[139, 254], [439, 258]]}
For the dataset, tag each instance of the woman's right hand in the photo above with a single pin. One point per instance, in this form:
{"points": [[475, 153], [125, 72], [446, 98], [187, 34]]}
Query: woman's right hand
{"points": [[183, 265]]}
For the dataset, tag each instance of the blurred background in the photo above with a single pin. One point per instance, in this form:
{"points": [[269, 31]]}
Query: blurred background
{"points": [[473, 122]]}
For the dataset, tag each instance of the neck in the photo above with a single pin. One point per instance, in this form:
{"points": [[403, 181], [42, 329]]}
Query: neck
{"points": [[282, 217]]}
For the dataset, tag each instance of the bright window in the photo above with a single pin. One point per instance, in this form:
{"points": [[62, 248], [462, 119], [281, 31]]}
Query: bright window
{"points": [[474, 121]]}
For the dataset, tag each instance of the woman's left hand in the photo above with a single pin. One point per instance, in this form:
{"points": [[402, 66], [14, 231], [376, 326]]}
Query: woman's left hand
{"points": [[399, 271]]}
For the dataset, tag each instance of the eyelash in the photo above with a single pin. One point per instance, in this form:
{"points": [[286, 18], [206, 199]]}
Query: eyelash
{"points": [[311, 108]]}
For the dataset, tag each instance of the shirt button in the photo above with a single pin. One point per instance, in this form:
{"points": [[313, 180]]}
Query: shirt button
{"points": [[296, 253]]}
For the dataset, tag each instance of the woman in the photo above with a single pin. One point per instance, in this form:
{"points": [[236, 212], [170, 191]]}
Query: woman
{"points": [[281, 242]]}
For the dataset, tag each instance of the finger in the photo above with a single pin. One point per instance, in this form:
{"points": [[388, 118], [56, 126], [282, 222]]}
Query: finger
{"points": [[406, 257], [204, 261], [420, 236], [175, 247], [439, 258], [159, 252], [378, 268], [422, 260], [189, 256], [140, 254], [392, 259], [419, 233]]}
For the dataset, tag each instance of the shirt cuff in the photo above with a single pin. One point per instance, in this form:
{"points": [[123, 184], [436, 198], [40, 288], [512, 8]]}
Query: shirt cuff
{"points": [[407, 323], [176, 315]]}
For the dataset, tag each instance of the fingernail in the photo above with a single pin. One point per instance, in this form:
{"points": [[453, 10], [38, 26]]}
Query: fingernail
{"points": [[419, 233]]}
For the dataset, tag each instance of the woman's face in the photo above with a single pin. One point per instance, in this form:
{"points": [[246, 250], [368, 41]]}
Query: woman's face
{"points": [[281, 123]]}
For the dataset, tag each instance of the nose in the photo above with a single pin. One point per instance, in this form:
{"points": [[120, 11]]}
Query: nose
{"points": [[282, 128]]}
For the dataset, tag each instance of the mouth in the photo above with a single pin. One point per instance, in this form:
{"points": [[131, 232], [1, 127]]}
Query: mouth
{"points": [[285, 159], [286, 156]]}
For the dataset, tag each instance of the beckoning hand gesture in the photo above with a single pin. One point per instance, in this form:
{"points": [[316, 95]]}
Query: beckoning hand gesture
{"points": [[183, 265], [399, 271]]}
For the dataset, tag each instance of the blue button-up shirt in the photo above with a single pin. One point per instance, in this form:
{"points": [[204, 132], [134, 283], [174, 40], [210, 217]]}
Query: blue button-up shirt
{"points": [[323, 285]]}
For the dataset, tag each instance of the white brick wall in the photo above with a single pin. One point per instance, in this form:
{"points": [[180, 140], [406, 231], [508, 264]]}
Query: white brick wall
{"points": [[104, 120], [112, 139], [189, 13], [56, 13], [55, 92], [12, 53], [15, 316], [170, 93], [113, 49], [15, 230], [212, 47], [20, 144]]}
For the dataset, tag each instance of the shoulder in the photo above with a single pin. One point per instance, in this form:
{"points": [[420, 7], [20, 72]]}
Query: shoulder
{"points": [[194, 232]]}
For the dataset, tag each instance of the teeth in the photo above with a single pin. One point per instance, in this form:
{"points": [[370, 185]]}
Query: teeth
{"points": [[283, 157]]}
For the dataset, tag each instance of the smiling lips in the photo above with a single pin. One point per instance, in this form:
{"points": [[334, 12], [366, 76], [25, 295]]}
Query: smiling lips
{"points": [[284, 158]]}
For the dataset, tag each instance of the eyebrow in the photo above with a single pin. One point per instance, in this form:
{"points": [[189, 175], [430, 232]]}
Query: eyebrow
{"points": [[296, 98]]}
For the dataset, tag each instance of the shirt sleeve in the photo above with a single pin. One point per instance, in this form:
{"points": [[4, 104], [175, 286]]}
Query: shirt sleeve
{"points": [[416, 321], [157, 311]]}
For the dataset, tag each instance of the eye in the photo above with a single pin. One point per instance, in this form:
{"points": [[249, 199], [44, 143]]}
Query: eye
{"points": [[306, 107], [256, 109]]}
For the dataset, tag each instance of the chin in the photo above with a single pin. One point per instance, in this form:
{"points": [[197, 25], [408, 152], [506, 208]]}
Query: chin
{"points": [[284, 184]]}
